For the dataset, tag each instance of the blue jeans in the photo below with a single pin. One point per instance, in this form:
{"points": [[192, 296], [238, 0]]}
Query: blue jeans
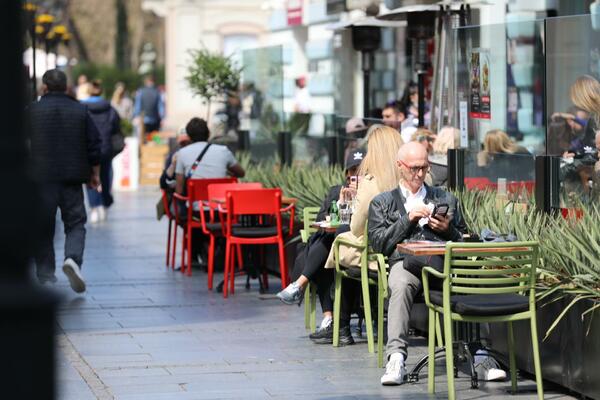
{"points": [[103, 198]]}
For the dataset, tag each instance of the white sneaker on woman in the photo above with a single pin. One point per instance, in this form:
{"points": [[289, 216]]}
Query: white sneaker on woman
{"points": [[94, 215]]}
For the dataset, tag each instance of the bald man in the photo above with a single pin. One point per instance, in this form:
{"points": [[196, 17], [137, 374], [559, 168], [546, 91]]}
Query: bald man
{"points": [[401, 215]]}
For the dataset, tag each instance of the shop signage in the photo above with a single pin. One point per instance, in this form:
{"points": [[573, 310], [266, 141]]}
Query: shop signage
{"points": [[294, 12], [480, 99]]}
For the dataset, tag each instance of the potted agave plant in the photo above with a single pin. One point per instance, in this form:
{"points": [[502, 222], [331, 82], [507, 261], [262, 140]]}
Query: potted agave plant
{"points": [[568, 293]]}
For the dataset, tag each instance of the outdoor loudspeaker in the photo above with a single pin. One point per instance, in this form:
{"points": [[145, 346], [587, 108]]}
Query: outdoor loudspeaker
{"points": [[366, 38]]}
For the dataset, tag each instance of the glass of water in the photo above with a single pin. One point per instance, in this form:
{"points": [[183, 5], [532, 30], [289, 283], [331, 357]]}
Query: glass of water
{"points": [[345, 213]]}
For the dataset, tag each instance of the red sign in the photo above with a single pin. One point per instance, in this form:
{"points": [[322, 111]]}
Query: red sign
{"points": [[294, 12]]}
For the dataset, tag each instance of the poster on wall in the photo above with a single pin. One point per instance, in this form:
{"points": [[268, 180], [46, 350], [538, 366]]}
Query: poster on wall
{"points": [[480, 102]]}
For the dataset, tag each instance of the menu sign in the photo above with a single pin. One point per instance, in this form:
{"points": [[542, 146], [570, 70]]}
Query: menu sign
{"points": [[480, 102]]}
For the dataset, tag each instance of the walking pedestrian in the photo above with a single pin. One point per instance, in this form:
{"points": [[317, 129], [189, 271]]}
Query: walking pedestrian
{"points": [[108, 123], [65, 152], [149, 103]]}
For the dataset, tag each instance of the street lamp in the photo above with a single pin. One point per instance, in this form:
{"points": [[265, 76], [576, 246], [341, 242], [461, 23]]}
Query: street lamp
{"points": [[44, 22]]}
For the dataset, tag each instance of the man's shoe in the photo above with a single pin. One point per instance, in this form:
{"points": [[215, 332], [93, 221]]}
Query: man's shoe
{"points": [[394, 371], [72, 271], [487, 367], [291, 294], [326, 337]]}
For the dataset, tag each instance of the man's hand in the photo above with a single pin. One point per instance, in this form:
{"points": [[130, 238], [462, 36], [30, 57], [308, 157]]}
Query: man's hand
{"points": [[439, 224], [418, 212]]}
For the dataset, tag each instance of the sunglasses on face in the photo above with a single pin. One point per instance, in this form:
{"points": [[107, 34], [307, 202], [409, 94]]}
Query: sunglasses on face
{"points": [[415, 169]]}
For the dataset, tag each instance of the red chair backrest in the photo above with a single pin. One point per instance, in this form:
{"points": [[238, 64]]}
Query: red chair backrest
{"points": [[515, 187], [570, 213], [253, 202], [480, 183], [197, 189], [219, 190]]}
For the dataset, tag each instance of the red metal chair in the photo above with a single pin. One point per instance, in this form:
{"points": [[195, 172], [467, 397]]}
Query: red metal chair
{"points": [[211, 228], [520, 187], [172, 221], [257, 202], [196, 193], [481, 183]]}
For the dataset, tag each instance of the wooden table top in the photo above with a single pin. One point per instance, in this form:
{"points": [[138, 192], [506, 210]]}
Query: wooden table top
{"points": [[329, 229], [434, 249]]}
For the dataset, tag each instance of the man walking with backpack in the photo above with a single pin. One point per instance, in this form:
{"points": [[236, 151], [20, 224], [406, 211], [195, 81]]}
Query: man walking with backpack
{"points": [[65, 153]]}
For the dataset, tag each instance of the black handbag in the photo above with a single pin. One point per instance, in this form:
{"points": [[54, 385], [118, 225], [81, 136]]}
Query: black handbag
{"points": [[117, 143]]}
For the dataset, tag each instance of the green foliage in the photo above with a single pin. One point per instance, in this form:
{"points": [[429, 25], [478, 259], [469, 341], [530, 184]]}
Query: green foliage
{"points": [[569, 248], [110, 75], [308, 184], [126, 127], [211, 76]]}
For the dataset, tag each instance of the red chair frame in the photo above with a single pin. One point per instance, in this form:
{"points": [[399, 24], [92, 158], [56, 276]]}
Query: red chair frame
{"points": [[254, 202], [219, 191], [171, 219], [196, 193]]}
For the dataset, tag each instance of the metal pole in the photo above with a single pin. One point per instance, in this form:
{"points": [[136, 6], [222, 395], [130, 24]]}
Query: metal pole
{"points": [[421, 85], [367, 65], [33, 45]]}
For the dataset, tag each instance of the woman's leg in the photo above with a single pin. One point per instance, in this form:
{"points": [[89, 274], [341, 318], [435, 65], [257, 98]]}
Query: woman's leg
{"points": [[318, 250]]}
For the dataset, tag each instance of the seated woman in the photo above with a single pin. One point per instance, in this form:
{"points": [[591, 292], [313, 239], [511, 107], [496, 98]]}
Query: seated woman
{"points": [[318, 247], [438, 158], [503, 158], [377, 173]]}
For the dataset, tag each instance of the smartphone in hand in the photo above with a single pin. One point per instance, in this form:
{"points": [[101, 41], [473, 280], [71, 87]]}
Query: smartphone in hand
{"points": [[440, 210]]}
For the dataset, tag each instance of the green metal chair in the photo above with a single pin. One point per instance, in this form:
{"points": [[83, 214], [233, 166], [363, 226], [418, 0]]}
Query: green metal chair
{"points": [[365, 279], [309, 215], [484, 282]]}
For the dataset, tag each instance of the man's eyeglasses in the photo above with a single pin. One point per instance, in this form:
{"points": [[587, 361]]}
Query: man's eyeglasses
{"points": [[416, 168]]}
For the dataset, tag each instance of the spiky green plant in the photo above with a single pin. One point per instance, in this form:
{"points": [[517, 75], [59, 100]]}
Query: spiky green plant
{"points": [[569, 248], [309, 184]]}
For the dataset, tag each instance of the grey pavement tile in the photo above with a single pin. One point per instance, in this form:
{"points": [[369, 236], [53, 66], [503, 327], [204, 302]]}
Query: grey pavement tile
{"points": [[147, 332]]}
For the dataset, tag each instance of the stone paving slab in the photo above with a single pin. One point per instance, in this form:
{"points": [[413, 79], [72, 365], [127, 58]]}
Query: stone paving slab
{"points": [[143, 331]]}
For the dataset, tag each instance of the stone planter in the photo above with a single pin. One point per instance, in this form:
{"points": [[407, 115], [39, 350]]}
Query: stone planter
{"points": [[570, 356]]}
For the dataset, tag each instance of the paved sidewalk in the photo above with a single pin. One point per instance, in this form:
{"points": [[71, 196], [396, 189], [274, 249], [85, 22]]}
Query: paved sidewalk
{"points": [[142, 331]]}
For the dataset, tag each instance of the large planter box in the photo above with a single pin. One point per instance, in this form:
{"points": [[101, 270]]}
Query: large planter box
{"points": [[570, 356]]}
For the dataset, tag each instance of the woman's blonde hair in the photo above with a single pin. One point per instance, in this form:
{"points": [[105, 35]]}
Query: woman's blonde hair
{"points": [[446, 139], [585, 94], [383, 143], [118, 93], [497, 141]]}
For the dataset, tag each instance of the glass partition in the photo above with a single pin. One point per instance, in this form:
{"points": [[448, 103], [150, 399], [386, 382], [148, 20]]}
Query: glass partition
{"points": [[509, 174], [262, 99], [499, 84], [311, 136], [573, 69]]}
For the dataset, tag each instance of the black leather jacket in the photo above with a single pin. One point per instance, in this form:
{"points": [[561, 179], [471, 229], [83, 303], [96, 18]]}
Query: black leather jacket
{"points": [[389, 223]]}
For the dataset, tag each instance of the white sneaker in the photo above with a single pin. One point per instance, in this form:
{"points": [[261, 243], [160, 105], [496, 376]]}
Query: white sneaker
{"points": [[101, 213], [73, 272], [94, 215], [394, 370], [487, 367]]}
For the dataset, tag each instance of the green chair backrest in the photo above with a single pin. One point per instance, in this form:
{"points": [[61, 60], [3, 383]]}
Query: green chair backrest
{"points": [[491, 268], [309, 215]]}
